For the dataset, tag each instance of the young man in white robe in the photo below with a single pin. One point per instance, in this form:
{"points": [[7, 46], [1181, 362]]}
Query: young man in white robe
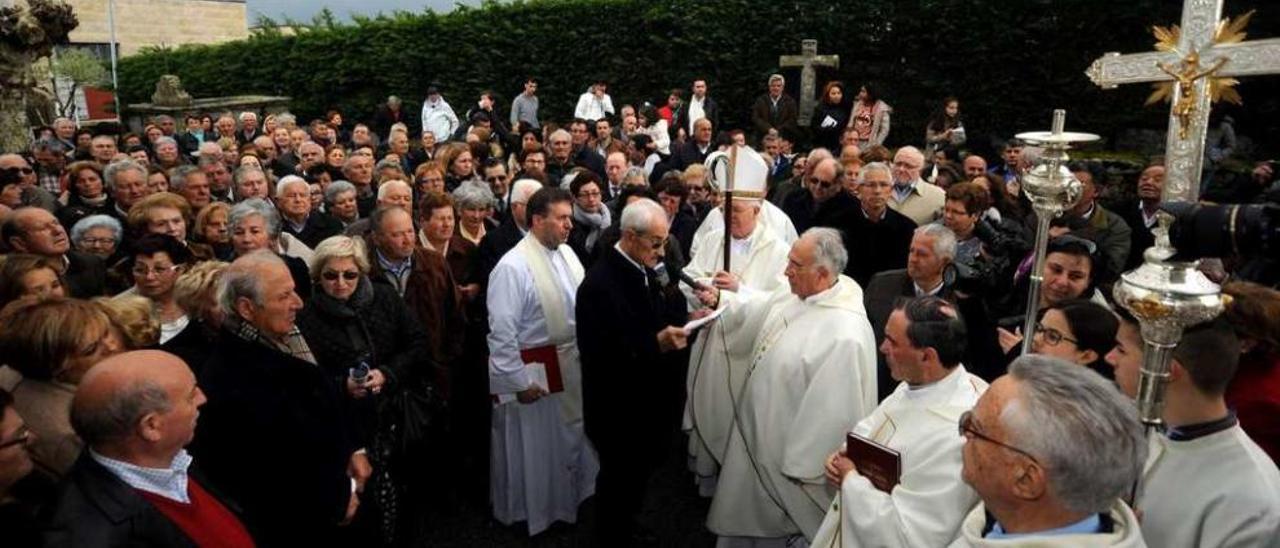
{"points": [[718, 359], [541, 464], [1050, 448], [811, 378], [1205, 482], [924, 342]]}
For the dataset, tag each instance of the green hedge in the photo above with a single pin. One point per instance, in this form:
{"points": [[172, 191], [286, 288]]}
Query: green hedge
{"points": [[1010, 61]]}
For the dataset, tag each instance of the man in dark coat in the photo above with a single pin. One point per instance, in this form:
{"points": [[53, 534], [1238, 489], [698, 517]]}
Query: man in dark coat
{"points": [[36, 231], [105, 500], [629, 351], [877, 237], [696, 149], [700, 105], [275, 435], [774, 110], [823, 202]]}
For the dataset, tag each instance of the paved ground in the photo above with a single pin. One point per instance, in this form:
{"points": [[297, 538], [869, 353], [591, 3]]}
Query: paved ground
{"points": [[673, 511]]}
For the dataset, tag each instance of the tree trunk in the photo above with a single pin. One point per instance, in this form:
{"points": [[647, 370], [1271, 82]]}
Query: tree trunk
{"points": [[15, 131]]}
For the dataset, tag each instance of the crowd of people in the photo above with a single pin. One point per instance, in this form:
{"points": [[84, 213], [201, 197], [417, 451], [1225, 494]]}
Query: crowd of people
{"points": [[249, 330]]}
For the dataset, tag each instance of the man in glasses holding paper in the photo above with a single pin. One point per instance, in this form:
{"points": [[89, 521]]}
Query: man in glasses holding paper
{"points": [[914, 428]]}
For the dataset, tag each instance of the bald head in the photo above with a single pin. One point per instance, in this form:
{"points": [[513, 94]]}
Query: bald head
{"points": [[139, 407]]}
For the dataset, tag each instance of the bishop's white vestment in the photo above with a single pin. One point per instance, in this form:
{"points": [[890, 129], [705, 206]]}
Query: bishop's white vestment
{"points": [[811, 378], [718, 358], [1217, 490], [1124, 533], [931, 500], [771, 216], [541, 464]]}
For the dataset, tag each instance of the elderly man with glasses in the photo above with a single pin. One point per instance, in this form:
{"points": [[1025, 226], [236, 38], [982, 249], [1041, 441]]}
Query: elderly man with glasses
{"points": [[825, 203], [920, 201]]}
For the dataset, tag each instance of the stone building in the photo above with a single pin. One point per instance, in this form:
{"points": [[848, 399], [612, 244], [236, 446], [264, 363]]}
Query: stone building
{"points": [[141, 23]]}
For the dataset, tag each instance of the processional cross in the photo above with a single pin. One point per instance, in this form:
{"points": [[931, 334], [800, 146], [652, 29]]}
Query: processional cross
{"points": [[1196, 64], [808, 59]]}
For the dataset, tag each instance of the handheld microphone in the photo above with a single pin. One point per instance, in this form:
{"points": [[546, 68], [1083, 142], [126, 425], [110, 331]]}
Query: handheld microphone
{"points": [[689, 281]]}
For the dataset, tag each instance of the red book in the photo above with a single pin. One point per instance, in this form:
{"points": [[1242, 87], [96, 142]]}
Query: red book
{"points": [[547, 356], [879, 464]]}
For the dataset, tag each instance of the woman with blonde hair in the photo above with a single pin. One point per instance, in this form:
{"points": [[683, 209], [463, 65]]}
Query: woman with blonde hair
{"points": [[132, 316], [48, 346]]}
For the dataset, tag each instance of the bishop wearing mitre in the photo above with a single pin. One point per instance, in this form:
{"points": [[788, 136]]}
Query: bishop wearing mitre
{"points": [[810, 378], [717, 363]]}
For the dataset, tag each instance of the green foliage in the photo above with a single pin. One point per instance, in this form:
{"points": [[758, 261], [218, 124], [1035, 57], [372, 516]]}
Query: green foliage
{"points": [[1010, 62]]}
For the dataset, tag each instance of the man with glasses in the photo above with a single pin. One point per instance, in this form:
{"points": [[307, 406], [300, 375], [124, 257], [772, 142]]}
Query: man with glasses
{"points": [[629, 335], [825, 203], [920, 201], [923, 344], [1051, 448], [878, 236], [36, 231], [1206, 483], [18, 168], [495, 174], [19, 516]]}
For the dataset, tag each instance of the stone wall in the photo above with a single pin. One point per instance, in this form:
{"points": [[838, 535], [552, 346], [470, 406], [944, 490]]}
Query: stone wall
{"points": [[142, 23]]}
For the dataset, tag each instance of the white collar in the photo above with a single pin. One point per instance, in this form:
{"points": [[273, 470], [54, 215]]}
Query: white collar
{"points": [[170, 483]]}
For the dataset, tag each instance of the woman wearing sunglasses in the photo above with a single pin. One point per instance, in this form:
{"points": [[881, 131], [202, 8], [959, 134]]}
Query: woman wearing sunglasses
{"points": [[368, 341]]}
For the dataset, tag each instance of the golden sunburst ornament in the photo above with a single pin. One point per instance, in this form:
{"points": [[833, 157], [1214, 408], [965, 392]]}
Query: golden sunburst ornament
{"points": [[1229, 31]]}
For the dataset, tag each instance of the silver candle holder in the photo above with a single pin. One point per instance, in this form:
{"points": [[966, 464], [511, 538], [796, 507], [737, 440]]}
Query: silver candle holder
{"points": [[1052, 189]]}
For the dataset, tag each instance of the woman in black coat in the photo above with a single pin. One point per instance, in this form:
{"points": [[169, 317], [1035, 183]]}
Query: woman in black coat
{"points": [[361, 330], [830, 116]]}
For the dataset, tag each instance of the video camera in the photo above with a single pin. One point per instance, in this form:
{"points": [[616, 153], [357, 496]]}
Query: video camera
{"points": [[1225, 230]]}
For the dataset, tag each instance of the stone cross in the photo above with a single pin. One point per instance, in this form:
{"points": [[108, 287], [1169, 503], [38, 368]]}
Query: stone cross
{"points": [[1190, 65], [808, 59]]}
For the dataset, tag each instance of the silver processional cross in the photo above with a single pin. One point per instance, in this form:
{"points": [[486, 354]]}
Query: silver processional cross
{"points": [[1198, 53], [808, 59]]}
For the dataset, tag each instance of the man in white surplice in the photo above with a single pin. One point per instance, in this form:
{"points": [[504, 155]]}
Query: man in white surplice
{"points": [[811, 378], [923, 343], [541, 464], [718, 359]]}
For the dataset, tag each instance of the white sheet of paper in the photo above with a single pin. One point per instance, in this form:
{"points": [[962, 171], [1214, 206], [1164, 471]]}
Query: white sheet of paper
{"points": [[829, 122], [695, 324], [538, 375]]}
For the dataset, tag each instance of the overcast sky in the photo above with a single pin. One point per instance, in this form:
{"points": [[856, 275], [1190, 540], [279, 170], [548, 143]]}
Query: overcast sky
{"points": [[303, 10]]}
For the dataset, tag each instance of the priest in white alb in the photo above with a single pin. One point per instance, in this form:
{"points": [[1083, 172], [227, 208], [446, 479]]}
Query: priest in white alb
{"points": [[718, 359], [810, 378], [924, 341], [541, 464]]}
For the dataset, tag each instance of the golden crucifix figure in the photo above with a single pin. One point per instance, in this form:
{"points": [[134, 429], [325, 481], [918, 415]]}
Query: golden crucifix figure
{"points": [[1185, 106]]}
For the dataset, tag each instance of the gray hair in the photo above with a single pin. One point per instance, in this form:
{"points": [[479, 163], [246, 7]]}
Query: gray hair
{"points": [[96, 221], [209, 150], [559, 133], [48, 144], [472, 195], [166, 140], [522, 189], [828, 249], [944, 240], [777, 78], [386, 163], [879, 167], [255, 206], [1079, 426], [386, 187], [178, 176], [339, 247], [335, 188], [285, 119], [115, 168], [117, 417], [635, 172], [242, 279], [242, 171], [290, 180], [640, 215], [247, 115]]}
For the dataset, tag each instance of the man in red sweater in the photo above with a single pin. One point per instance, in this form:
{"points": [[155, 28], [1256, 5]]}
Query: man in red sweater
{"points": [[131, 486]]}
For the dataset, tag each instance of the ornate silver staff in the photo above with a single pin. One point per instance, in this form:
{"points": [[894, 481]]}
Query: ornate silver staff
{"points": [[1052, 189]]}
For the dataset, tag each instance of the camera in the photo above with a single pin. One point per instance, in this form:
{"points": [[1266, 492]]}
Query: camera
{"points": [[1224, 230]]}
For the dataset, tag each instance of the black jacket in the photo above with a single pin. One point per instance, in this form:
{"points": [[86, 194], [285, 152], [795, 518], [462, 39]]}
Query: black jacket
{"points": [[86, 275], [625, 377], [829, 137], [836, 212], [493, 246], [876, 247], [688, 154], [317, 227], [276, 438], [710, 111], [95, 508]]}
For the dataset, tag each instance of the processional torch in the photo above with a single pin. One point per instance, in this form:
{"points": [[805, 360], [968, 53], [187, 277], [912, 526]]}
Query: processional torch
{"points": [[1052, 189]]}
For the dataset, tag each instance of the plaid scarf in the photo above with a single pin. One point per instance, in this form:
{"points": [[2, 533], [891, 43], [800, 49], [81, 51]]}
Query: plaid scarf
{"points": [[293, 345]]}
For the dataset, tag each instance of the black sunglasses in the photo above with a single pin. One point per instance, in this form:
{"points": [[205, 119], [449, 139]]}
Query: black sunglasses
{"points": [[332, 276]]}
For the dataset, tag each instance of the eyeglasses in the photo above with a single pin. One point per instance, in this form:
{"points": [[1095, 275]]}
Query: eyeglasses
{"points": [[820, 183], [496, 178], [347, 275], [1052, 336], [142, 271], [966, 429], [21, 438], [22, 170], [98, 241], [589, 194]]}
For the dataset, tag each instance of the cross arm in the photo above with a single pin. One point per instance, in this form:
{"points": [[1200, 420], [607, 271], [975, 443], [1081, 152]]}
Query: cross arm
{"points": [[1253, 58], [1113, 69], [792, 60]]}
